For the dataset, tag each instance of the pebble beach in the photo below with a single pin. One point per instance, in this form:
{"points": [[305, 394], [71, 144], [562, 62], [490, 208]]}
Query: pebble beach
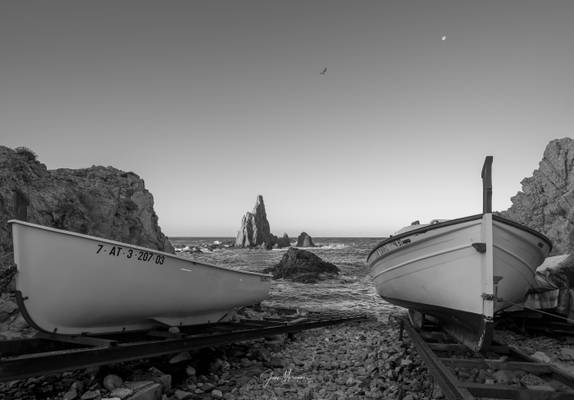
{"points": [[356, 360]]}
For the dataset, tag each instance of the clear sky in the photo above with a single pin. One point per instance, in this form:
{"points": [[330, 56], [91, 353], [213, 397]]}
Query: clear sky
{"points": [[215, 102]]}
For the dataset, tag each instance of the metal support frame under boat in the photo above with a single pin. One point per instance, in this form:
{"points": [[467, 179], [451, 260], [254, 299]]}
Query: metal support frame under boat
{"points": [[443, 357], [48, 353]]}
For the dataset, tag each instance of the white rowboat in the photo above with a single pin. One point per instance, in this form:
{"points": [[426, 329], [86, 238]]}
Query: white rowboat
{"points": [[70, 283]]}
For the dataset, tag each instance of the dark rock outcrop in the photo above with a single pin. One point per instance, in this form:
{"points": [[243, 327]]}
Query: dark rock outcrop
{"points": [[304, 240], [255, 231], [99, 201], [546, 202], [303, 266]]}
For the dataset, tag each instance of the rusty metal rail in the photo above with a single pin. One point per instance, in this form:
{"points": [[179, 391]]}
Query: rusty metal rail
{"points": [[456, 368], [48, 354], [556, 326]]}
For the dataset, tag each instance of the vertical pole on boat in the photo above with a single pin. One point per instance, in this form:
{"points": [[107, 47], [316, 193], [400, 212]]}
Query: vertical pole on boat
{"points": [[488, 257], [487, 185]]}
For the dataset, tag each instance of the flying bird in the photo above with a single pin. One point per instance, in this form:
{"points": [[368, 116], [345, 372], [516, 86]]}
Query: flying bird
{"points": [[443, 38], [324, 71]]}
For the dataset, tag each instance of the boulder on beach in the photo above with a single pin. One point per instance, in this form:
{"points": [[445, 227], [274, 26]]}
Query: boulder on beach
{"points": [[255, 231], [303, 266], [305, 240]]}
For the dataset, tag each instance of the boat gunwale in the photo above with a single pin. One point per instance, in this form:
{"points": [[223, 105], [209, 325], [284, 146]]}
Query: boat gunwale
{"points": [[457, 221], [413, 261], [116, 243]]}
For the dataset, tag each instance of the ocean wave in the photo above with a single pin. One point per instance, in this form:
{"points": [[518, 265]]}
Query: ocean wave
{"points": [[329, 246]]}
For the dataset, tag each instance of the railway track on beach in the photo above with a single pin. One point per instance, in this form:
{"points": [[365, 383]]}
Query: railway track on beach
{"points": [[499, 372], [47, 354], [545, 324]]}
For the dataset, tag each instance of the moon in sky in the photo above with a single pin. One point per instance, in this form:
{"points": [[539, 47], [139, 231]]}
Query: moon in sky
{"points": [[443, 38]]}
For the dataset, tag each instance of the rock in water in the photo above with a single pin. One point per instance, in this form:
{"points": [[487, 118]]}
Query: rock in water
{"points": [[302, 266], [98, 201], [284, 241], [304, 240], [255, 231], [546, 202], [245, 237]]}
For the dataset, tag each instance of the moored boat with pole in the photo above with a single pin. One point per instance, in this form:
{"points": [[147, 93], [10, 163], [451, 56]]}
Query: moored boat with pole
{"points": [[461, 271]]}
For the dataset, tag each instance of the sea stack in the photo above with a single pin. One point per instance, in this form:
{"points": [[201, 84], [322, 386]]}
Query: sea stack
{"points": [[304, 240], [255, 231]]}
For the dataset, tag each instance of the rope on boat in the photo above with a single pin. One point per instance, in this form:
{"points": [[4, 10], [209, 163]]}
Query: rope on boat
{"points": [[541, 312]]}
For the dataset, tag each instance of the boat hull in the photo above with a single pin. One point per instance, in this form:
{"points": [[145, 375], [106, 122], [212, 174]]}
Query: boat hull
{"points": [[461, 271], [69, 283]]}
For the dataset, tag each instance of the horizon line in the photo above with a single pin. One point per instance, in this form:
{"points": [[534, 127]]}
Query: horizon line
{"points": [[294, 237]]}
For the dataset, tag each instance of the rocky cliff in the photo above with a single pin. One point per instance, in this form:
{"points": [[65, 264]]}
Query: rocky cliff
{"points": [[99, 201], [546, 202], [255, 231]]}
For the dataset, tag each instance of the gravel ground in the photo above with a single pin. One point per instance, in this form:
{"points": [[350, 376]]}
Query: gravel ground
{"points": [[554, 350], [356, 360]]}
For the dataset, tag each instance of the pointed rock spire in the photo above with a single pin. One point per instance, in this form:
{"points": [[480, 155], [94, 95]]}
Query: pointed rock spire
{"points": [[255, 231]]}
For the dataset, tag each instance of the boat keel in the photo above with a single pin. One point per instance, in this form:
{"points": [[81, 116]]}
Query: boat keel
{"points": [[478, 340], [475, 331]]}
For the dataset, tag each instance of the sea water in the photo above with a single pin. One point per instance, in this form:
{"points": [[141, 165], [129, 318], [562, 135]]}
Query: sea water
{"points": [[352, 290]]}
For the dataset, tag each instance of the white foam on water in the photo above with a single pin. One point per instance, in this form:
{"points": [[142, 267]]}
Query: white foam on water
{"points": [[334, 246], [330, 246]]}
